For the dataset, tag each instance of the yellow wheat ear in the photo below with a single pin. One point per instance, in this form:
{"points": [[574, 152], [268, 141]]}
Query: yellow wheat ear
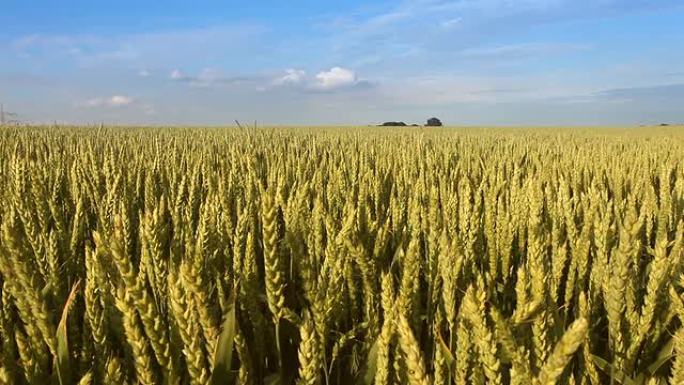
{"points": [[563, 352], [413, 358]]}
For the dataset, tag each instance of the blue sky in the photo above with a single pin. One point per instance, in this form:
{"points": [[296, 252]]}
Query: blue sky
{"points": [[469, 62]]}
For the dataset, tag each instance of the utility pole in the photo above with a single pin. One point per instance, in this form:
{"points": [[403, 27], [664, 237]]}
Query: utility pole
{"points": [[6, 117]]}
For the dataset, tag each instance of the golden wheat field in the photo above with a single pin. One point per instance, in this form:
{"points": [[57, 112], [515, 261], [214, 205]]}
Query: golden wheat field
{"points": [[341, 256]]}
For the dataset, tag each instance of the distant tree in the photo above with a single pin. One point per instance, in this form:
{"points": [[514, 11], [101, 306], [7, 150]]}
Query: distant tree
{"points": [[433, 122], [394, 124]]}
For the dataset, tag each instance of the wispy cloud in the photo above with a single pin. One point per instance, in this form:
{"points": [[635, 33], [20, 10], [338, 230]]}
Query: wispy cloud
{"points": [[451, 23], [669, 93], [290, 76], [147, 49], [210, 77], [524, 50], [500, 91], [443, 29]]}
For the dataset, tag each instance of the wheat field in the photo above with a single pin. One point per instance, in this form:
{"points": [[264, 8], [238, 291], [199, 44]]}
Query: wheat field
{"points": [[341, 256]]}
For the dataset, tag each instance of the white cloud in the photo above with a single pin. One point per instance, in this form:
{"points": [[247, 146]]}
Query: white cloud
{"points": [[291, 76], [144, 73], [336, 77], [112, 101], [119, 100], [177, 75]]}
